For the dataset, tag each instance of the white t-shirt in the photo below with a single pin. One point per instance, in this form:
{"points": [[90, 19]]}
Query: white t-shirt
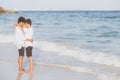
{"points": [[19, 36], [28, 35]]}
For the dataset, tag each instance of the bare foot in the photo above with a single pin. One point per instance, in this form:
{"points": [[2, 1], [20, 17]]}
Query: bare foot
{"points": [[29, 71], [21, 71]]}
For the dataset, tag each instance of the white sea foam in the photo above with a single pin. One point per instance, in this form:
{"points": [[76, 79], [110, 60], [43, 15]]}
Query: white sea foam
{"points": [[101, 75], [74, 68], [109, 76], [71, 51], [78, 53]]}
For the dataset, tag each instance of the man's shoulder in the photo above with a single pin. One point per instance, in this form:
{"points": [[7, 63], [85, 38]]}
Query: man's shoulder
{"points": [[30, 29], [17, 27]]}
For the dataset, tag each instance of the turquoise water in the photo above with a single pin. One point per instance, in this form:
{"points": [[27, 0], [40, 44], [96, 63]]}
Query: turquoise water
{"points": [[93, 30], [90, 36]]}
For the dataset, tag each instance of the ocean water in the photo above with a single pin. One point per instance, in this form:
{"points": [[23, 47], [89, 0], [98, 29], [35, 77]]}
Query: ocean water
{"points": [[87, 36], [83, 41]]}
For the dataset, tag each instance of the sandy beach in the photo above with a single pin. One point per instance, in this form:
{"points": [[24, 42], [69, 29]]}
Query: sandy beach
{"points": [[9, 72], [45, 71], [9, 68]]}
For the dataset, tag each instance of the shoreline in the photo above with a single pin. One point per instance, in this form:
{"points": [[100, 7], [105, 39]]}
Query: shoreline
{"points": [[50, 71], [42, 72], [8, 62]]}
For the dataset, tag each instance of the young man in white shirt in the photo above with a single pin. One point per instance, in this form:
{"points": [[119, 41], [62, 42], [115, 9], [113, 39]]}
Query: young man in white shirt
{"points": [[24, 38], [29, 43], [19, 36]]}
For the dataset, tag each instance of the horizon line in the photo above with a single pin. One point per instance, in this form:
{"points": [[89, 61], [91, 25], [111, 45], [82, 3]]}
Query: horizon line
{"points": [[67, 10]]}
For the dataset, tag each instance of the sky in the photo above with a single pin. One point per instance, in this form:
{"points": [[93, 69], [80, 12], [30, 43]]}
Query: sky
{"points": [[61, 4]]}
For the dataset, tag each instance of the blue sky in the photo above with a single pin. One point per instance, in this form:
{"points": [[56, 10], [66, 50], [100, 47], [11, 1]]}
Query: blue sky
{"points": [[61, 4]]}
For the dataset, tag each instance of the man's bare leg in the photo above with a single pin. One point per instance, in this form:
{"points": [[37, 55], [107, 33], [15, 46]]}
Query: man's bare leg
{"points": [[31, 65], [20, 63], [19, 76]]}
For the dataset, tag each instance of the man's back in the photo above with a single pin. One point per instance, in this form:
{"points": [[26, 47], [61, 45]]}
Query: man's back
{"points": [[19, 35]]}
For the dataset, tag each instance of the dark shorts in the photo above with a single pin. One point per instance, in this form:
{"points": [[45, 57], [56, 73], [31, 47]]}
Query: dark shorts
{"points": [[21, 51], [29, 51]]}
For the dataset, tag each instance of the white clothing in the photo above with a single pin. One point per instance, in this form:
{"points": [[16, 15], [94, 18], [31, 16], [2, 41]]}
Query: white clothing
{"points": [[28, 35], [19, 36]]}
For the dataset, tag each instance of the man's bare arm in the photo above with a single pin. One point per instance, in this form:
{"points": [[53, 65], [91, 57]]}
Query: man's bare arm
{"points": [[15, 25], [31, 40]]}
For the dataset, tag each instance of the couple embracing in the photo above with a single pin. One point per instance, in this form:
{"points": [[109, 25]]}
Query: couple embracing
{"points": [[24, 42]]}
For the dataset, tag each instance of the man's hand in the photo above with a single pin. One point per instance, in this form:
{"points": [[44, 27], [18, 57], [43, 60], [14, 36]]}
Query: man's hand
{"points": [[31, 40], [14, 26]]}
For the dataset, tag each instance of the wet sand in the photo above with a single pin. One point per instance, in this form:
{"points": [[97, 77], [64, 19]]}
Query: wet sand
{"points": [[9, 68], [47, 71]]}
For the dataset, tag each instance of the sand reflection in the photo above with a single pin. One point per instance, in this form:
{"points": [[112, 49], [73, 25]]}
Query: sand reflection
{"points": [[21, 74]]}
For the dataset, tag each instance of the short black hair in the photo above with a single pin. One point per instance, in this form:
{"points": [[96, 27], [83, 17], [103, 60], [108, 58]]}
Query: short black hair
{"points": [[21, 19], [28, 21]]}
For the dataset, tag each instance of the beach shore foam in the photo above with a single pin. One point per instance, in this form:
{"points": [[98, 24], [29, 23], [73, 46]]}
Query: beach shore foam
{"points": [[49, 71]]}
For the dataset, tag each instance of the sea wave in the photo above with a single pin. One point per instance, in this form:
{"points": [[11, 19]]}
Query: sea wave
{"points": [[78, 53], [63, 49]]}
